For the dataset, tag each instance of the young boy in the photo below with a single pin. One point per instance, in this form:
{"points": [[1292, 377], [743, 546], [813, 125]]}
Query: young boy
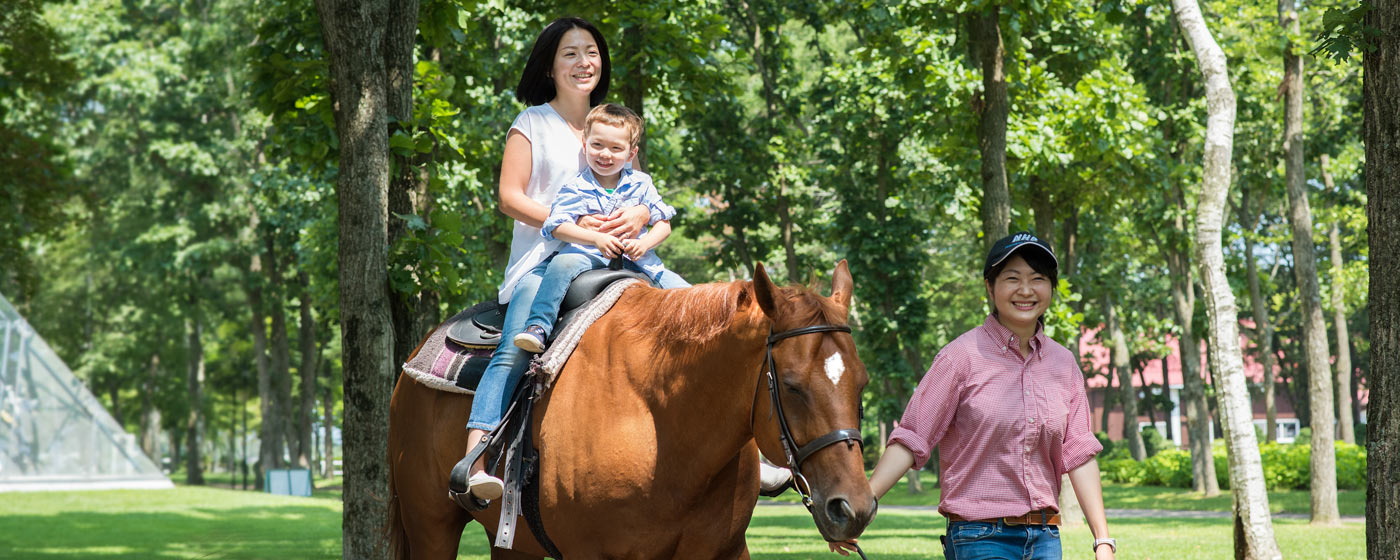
{"points": [[610, 134]]}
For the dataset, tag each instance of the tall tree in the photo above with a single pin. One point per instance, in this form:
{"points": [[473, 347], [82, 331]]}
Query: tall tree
{"points": [[306, 411], [354, 34], [194, 423], [1324, 455], [1381, 91], [1263, 327], [1254, 530], [1339, 315], [1122, 367], [984, 34]]}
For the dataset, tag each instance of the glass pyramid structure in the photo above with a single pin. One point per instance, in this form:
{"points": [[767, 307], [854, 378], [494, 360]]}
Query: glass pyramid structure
{"points": [[54, 435]]}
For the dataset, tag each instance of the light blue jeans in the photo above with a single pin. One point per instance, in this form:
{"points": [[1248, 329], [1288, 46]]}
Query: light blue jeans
{"points": [[564, 268], [509, 363], [980, 540]]}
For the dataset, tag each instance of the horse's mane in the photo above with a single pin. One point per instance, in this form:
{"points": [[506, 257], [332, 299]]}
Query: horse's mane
{"points": [[700, 313]]}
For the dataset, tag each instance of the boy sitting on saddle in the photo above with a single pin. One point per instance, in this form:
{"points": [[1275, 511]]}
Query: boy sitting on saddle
{"points": [[610, 135]]}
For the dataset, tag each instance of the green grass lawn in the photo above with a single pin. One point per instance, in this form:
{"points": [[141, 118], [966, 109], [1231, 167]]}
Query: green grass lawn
{"points": [[215, 523], [1119, 496]]}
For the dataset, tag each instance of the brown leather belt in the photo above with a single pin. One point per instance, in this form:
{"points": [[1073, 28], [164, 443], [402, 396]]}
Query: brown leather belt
{"points": [[1040, 517]]}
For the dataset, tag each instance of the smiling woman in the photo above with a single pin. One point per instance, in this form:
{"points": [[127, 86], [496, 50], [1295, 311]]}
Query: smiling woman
{"points": [[1007, 409]]}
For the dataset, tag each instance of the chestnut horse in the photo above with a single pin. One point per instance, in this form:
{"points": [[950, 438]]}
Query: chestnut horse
{"points": [[649, 438]]}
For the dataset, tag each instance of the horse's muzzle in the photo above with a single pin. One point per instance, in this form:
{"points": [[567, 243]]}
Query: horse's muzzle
{"points": [[839, 519]]}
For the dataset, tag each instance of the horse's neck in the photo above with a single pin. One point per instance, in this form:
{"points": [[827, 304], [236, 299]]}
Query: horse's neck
{"points": [[714, 384]]}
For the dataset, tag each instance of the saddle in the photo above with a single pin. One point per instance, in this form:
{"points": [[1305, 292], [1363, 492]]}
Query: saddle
{"points": [[478, 329]]}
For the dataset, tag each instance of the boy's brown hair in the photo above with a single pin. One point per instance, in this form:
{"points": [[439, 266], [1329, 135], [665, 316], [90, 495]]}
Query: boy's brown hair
{"points": [[613, 114]]}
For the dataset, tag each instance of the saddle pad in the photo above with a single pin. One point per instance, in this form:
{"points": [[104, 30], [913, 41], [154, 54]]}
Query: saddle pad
{"points": [[447, 366]]}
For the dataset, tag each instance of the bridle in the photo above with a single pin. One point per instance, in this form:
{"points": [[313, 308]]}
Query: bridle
{"points": [[796, 455]]}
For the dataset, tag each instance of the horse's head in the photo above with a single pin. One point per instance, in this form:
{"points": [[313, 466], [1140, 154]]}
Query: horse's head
{"points": [[818, 380]]}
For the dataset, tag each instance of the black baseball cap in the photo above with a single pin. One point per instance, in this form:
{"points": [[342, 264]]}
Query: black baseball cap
{"points": [[1006, 246]]}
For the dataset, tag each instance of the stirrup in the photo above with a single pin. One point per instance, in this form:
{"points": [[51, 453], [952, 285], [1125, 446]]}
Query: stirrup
{"points": [[458, 483]]}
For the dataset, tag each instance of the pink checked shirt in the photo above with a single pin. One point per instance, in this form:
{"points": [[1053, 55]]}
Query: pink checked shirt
{"points": [[1007, 426]]}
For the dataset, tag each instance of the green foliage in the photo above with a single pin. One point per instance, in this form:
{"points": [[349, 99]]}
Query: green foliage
{"points": [[1170, 467], [1344, 29], [1154, 442]]}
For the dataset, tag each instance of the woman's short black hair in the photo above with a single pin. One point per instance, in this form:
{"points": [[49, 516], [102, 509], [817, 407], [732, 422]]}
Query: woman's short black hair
{"points": [[1039, 261], [536, 87]]}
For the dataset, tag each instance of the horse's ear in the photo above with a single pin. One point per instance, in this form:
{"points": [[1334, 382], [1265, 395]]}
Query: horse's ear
{"points": [[841, 285], [763, 291]]}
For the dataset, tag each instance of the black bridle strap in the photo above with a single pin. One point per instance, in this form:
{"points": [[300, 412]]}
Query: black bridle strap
{"points": [[849, 434], [795, 455], [796, 458]]}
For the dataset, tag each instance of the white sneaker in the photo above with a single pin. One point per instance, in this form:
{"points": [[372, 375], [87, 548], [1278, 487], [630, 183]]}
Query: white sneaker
{"points": [[772, 477], [485, 486]]}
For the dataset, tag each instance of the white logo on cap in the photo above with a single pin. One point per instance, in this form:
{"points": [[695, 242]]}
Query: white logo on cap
{"points": [[1023, 237]]}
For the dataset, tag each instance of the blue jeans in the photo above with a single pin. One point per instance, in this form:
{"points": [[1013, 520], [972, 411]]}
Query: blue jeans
{"points": [[509, 363], [562, 269], [980, 540]]}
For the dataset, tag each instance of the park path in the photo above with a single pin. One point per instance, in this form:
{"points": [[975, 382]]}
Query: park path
{"points": [[1120, 513]]}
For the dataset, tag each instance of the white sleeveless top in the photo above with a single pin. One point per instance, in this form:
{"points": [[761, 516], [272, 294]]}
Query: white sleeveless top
{"points": [[556, 155]]}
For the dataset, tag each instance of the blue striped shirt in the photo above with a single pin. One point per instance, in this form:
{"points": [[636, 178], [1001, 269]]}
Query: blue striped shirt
{"points": [[583, 195]]}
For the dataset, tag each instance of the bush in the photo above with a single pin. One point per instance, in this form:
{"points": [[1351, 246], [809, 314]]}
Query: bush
{"points": [[1351, 466], [1123, 471], [1171, 467], [1154, 442], [1286, 466]]}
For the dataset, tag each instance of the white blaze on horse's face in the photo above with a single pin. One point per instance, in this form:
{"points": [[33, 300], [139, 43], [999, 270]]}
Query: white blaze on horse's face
{"points": [[835, 367]]}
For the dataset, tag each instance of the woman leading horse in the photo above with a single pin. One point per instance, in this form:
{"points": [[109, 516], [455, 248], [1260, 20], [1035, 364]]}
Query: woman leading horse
{"points": [[649, 438]]}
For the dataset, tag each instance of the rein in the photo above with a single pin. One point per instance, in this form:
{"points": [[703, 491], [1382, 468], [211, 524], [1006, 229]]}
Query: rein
{"points": [[795, 454]]}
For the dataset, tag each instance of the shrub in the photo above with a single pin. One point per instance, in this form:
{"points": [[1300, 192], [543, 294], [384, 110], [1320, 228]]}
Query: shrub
{"points": [[1171, 467], [1286, 466], [1351, 466], [1154, 442], [1124, 471]]}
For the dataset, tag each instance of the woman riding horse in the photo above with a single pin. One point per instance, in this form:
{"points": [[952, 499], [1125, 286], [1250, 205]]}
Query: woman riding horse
{"points": [[649, 438]]}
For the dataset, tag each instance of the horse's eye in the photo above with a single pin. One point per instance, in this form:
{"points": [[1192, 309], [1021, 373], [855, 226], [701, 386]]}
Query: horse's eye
{"points": [[792, 388]]}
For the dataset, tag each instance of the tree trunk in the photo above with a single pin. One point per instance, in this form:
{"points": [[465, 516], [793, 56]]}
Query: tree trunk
{"points": [[194, 423], [1339, 319], [328, 407], [1381, 110], [407, 192], [1254, 530], [1324, 455], [150, 414], [1193, 392], [307, 335], [1263, 328], [354, 32], [266, 409], [1043, 208], [281, 430], [985, 38], [1125, 382]]}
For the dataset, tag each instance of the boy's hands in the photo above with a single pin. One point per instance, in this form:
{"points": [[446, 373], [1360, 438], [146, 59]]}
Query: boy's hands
{"points": [[609, 245], [635, 248]]}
